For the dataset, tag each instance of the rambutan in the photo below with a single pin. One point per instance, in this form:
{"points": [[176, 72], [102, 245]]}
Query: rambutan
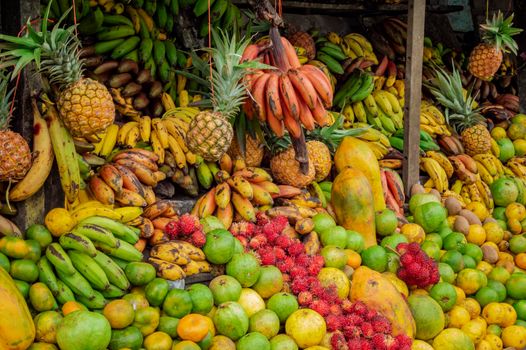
{"points": [[243, 240], [303, 260], [354, 344], [338, 341], [354, 320], [333, 323], [172, 229], [257, 241], [313, 269], [283, 242], [378, 341], [352, 332], [188, 224], [267, 257], [305, 298], [335, 309], [381, 324], [296, 248], [318, 260], [198, 239], [261, 218], [321, 307], [367, 329], [404, 342], [299, 285], [359, 308], [298, 271], [347, 305], [279, 253]]}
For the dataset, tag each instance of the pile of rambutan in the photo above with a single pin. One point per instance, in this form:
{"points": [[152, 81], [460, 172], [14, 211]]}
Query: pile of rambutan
{"points": [[416, 267], [186, 228]]}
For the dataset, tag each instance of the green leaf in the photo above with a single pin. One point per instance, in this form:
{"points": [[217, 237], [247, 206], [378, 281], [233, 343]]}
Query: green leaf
{"points": [[26, 42]]}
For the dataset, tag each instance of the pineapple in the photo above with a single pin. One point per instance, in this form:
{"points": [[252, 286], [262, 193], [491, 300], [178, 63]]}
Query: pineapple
{"points": [[304, 40], [253, 154], [210, 132], [486, 58], [467, 122], [15, 155], [286, 169], [321, 157], [85, 105]]}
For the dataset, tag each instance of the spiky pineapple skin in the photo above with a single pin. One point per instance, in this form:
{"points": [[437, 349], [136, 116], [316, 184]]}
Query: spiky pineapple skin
{"points": [[86, 107], [476, 140], [15, 156], [305, 40], [321, 158], [286, 169], [254, 151], [484, 61], [209, 135]]}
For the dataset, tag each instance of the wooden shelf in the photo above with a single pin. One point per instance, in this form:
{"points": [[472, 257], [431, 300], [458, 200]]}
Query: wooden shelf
{"points": [[347, 7]]}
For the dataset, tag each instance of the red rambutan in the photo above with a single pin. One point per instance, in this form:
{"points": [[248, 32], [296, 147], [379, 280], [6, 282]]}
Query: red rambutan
{"points": [[298, 271], [188, 224], [335, 309], [321, 307], [296, 248], [172, 229], [299, 285], [305, 298], [198, 239], [367, 329], [267, 257], [303, 260], [333, 323], [381, 324], [283, 242], [346, 305], [378, 341], [257, 241], [279, 253]]}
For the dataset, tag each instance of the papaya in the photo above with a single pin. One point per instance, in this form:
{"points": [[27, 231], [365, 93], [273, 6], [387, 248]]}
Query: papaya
{"points": [[378, 293], [352, 201], [357, 153], [17, 330]]}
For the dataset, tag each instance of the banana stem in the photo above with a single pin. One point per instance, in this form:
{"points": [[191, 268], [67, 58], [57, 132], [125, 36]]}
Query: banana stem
{"points": [[8, 228], [277, 50]]}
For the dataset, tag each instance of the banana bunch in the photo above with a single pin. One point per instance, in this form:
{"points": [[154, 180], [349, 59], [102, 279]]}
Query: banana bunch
{"points": [[356, 88], [433, 53], [87, 263], [432, 120], [153, 221], [443, 161], [390, 78], [89, 207], [178, 259], [426, 141], [477, 191], [489, 167], [377, 141], [129, 180], [465, 168], [356, 45], [302, 54], [437, 174], [518, 166], [224, 15], [331, 55]]}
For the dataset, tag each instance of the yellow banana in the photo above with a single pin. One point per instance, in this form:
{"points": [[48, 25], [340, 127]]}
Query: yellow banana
{"points": [[87, 212], [359, 111], [128, 213], [109, 140], [436, 172], [495, 149], [145, 128], [370, 105], [184, 98], [383, 102], [222, 195], [132, 137], [162, 133], [167, 270], [195, 267], [123, 132], [485, 194], [167, 101], [484, 173], [178, 153], [457, 186], [348, 113], [443, 161], [98, 145], [334, 38], [399, 85], [393, 101], [489, 163], [157, 147]]}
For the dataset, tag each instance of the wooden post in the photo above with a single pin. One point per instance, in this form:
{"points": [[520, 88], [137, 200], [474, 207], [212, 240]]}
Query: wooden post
{"points": [[413, 84]]}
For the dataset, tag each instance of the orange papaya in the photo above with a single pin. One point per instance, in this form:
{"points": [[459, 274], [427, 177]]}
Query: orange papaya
{"points": [[378, 293], [353, 204], [17, 330], [355, 152]]}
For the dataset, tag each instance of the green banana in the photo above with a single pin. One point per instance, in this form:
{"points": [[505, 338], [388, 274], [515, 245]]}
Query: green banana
{"points": [[132, 55], [121, 263], [126, 47], [158, 52], [174, 7], [181, 59], [89, 269], [59, 259], [161, 16], [124, 251], [351, 85], [46, 275], [143, 30], [102, 47], [201, 7], [218, 10], [425, 136], [145, 50], [171, 52], [77, 283], [428, 146], [150, 6], [117, 19], [387, 123], [84, 166], [137, 3], [116, 32], [79, 242], [92, 23], [115, 228], [95, 233], [96, 301], [228, 19], [333, 65], [115, 274], [64, 293], [164, 71], [337, 54], [397, 143], [113, 292], [326, 186], [150, 65], [170, 24], [365, 89], [204, 175]]}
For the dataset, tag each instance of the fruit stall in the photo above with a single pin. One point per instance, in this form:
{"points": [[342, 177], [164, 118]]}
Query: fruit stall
{"points": [[270, 175]]}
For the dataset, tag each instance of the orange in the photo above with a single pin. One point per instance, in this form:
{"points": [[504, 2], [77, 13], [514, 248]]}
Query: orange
{"points": [[158, 341], [479, 209], [476, 234], [413, 232], [498, 133], [472, 306], [494, 233], [59, 221], [186, 345], [354, 259], [461, 295], [516, 211], [72, 306], [119, 313], [484, 267], [211, 326], [520, 260], [503, 256], [193, 327]]}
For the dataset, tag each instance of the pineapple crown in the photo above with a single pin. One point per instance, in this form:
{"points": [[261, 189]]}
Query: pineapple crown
{"points": [[499, 31], [5, 96], [331, 136], [227, 86], [55, 52], [447, 90]]}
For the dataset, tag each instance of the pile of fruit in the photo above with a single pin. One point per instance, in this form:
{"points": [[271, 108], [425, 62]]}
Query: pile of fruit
{"points": [[290, 144]]}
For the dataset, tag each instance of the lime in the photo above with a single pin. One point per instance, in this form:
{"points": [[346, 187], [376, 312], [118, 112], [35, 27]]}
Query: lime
{"points": [[24, 270], [375, 257], [454, 259], [431, 249], [498, 287], [504, 191], [393, 262], [334, 256], [323, 221], [500, 274], [453, 339], [502, 224], [499, 213], [469, 262], [335, 235], [445, 295], [473, 251], [420, 199], [518, 244], [428, 315], [520, 323], [386, 222], [444, 231], [516, 286], [486, 295], [435, 237], [520, 308], [4, 262], [393, 240], [430, 216], [446, 272], [471, 280], [494, 329], [355, 241], [507, 151], [40, 234], [454, 241]]}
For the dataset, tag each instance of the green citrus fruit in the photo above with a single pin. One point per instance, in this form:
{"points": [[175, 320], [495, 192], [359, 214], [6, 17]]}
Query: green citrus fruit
{"points": [[507, 151], [435, 237], [431, 249], [393, 262], [430, 216], [375, 257], [446, 272], [323, 221], [473, 251], [444, 294], [518, 244], [40, 234], [335, 235], [486, 295], [334, 256], [428, 315], [454, 259], [454, 241], [498, 287], [516, 286], [421, 199], [504, 191], [355, 241], [500, 274], [469, 262], [386, 222], [520, 308], [393, 240], [453, 339]]}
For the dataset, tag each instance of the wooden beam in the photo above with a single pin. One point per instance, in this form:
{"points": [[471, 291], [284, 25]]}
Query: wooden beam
{"points": [[413, 86]]}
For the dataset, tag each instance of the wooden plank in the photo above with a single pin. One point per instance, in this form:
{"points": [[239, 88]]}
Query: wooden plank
{"points": [[413, 84], [520, 18]]}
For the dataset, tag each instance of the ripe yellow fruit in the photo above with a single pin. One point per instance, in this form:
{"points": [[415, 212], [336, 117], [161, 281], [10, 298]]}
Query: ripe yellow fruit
{"points": [[59, 221], [420, 345], [495, 341], [516, 211], [475, 329], [458, 316], [501, 314], [514, 336], [484, 267], [483, 345], [494, 233], [306, 327], [479, 209], [476, 234], [461, 296], [498, 133], [413, 233], [472, 306]]}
